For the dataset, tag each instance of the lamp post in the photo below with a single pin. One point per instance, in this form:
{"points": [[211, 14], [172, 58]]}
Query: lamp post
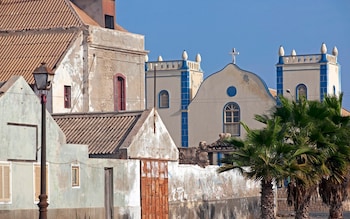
{"points": [[43, 77]]}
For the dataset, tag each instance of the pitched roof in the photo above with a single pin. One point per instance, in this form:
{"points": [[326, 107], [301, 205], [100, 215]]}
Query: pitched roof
{"points": [[103, 132], [36, 14], [86, 19], [20, 54], [36, 31], [32, 32]]}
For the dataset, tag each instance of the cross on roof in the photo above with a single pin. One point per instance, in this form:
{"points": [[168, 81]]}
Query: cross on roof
{"points": [[234, 53]]}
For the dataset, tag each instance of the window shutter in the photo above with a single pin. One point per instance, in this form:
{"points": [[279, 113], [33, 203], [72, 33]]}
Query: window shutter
{"points": [[37, 182], [37, 177], [5, 183]]}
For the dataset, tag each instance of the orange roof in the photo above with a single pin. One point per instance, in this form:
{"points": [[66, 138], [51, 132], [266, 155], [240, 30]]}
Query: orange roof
{"points": [[84, 17], [20, 54], [36, 31], [273, 92], [345, 112], [36, 14]]}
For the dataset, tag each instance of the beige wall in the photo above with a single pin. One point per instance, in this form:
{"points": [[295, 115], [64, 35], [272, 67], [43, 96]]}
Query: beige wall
{"points": [[307, 74], [112, 52], [168, 75], [206, 109]]}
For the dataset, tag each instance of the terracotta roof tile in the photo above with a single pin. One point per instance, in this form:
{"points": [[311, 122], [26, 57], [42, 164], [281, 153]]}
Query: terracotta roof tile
{"points": [[36, 14], [103, 132], [20, 54], [83, 16]]}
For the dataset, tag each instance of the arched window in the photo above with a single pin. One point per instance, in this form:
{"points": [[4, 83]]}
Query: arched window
{"points": [[163, 99], [232, 119], [119, 92], [301, 91]]}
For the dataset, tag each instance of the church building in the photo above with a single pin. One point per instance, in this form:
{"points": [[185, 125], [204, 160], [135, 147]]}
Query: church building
{"points": [[194, 110]]}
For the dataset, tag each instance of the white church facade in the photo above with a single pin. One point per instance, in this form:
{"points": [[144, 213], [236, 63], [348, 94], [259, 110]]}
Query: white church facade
{"points": [[196, 110]]}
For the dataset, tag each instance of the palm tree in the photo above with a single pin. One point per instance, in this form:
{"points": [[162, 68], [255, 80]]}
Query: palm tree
{"points": [[321, 126], [301, 120], [263, 156], [333, 187]]}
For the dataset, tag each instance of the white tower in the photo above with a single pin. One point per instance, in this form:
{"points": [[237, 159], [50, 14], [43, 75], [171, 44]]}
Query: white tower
{"points": [[310, 75]]}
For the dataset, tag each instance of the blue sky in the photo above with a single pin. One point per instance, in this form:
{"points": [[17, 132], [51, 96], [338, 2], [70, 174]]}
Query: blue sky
{"points": [[255, 28]]}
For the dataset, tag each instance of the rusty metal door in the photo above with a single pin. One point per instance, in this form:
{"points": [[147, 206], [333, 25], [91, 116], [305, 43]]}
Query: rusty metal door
{"points": [[154, 189]]}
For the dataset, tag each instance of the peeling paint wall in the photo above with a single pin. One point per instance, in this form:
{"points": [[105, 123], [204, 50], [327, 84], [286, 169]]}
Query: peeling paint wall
{"points": [[196, 192], [96, 55], [70, 73]]}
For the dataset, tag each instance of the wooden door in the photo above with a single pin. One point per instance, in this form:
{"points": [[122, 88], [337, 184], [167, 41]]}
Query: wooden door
{"points": [[109, 193]]}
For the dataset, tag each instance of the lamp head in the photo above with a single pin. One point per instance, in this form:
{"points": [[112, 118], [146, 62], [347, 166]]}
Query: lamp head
{"points": [[43, 77]]}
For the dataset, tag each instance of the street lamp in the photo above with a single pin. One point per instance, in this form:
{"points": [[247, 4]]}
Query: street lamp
{"points": [[43, 77]]}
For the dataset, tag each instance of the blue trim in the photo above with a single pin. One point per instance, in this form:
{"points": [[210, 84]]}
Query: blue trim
{"points": [[280, 60], [185, 101], [323, 81], [219, 159], [184, 129], [323, 58], [231, 91], [279, 82], [184, 65]]}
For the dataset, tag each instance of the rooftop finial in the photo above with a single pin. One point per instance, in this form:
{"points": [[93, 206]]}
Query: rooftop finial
{"points": [[184, 55], [294, 53], [234, 53], [160, 59], [335, 51], [281, 51], [323, 48], [198, 58]]}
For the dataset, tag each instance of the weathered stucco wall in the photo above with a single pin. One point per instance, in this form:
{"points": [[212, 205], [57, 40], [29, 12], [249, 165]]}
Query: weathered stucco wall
{"points": [[70, 73], [114, 52], [196, 192]]}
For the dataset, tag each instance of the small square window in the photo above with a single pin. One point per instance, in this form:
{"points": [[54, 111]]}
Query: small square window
{"points": [[75, 176], [109, 21]]}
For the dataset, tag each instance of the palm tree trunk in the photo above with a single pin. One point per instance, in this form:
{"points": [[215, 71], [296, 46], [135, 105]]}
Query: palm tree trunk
{"points": [[336, 210], [267, 200], [300, 197], [333, 194]]}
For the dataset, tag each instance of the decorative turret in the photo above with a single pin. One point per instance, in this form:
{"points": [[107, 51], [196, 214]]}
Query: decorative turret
{"points": [[184, 55], [323, 53], [198, 58], [323, 48], [281, 51], [160, 58], [335, 51], [293, 53], [146, 60]]}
